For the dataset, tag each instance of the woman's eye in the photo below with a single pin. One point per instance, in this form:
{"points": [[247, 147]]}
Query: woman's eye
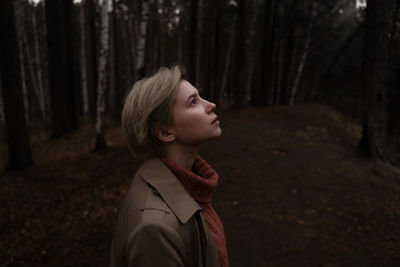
{"points": [[194, 101]]}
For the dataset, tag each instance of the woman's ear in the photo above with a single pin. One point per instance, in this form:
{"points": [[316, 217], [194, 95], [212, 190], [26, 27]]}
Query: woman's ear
{"points": [[166, 135]]}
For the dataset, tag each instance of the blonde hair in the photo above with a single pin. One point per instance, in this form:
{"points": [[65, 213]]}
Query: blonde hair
{"points": [[147, 110]]}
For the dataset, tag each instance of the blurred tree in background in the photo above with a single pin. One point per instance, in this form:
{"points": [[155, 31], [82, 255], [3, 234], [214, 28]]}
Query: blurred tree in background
{"points": [[238, 53]]}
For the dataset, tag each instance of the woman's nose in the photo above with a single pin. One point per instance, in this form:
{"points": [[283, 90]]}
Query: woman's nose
{"points": [[211, 107]]}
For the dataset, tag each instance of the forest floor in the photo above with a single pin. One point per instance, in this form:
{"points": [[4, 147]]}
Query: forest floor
{"points": [[293, 191]]}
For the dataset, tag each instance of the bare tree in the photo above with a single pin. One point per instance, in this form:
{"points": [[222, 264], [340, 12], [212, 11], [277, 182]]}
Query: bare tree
{"points": [[23, 57], [141, 43], [377, 29], [102, 81], [304, 54], [85, 101], [19, 152], [40, 92], [240, 55], [89, 9], [61, 69]]}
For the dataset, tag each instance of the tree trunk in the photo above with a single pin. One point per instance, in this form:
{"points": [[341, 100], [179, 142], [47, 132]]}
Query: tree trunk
{"points": [[303, 56], [373, 140], [215, 72], [240, 55], [141, 45], [19, 27], [19, 152], [90, 54], [227, 67], [85, 101], [39, 70], [61, 74], [23, 75], [394, 107], [104, 43], [3, 129], [263, 75], [194, 6], [198, 45]]}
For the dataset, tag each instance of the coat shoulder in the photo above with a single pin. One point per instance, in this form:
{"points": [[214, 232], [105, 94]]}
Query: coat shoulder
{"points": [[144, 205]]}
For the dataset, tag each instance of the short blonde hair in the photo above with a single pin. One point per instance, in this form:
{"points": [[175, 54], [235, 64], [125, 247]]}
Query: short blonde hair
{"points": [[148, 110]]}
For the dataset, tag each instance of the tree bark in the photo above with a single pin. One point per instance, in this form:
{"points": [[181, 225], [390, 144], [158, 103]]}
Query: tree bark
{"points": [[227, 67], [39, 73], [3, 130], [61, 69], [90, 54], [373, 140], [197, 40], [194, 6], [104, 43], [115, 89], [141, 45], [303, 56], [22, 57], [85, 101], [19, 152], [240, 55], [263, 75]]}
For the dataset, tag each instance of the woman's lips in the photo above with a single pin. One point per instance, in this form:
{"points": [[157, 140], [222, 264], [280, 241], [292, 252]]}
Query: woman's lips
{"points": [[215, 121]]}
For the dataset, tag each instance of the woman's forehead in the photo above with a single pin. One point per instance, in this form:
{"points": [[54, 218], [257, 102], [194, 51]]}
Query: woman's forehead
{"points": [[186, 90]]}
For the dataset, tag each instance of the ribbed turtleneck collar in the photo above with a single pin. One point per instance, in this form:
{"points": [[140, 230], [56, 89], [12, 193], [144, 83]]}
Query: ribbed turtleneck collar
{"points": [[200, 182]]}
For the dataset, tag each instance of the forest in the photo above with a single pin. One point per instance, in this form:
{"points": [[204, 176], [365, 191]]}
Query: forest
{"points": [[65, 61], [67, 65]]}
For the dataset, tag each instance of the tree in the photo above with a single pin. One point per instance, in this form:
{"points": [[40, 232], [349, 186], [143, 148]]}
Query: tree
{"points": [[141, 43], [101, 85], [303, 55], [61, 70], [377, 29], [240, 55], [90, 51], [19, 151]]}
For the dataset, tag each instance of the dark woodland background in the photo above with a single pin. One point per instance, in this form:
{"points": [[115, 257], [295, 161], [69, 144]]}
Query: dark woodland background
{"points": [[66, 67]]}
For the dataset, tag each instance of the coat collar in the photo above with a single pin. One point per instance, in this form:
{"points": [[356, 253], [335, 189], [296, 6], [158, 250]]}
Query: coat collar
{"points": [[171, 190]]}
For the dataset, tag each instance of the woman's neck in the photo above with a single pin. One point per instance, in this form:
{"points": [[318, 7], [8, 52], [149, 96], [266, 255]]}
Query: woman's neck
{"points": [[184, 156]]}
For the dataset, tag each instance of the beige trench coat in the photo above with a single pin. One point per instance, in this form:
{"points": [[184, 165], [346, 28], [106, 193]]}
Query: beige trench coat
{"points": [[160, 224]]}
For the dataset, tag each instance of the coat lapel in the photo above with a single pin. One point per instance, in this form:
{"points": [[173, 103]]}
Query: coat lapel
{"points": [[171, 190]]}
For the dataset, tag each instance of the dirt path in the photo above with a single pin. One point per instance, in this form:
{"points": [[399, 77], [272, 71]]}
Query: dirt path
{"points": [[293, 192]]}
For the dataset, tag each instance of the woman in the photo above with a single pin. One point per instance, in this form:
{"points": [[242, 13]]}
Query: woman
{"points": [[167, 218]]}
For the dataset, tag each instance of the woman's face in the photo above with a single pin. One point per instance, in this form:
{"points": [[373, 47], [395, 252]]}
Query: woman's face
{"points": [[194, 120]]}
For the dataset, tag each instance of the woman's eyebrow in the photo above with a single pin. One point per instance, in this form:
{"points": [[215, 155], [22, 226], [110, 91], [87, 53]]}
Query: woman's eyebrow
{"points": [[192, 95]]}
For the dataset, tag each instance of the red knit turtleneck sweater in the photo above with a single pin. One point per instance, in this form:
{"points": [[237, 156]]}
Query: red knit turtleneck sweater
{"points": [[200, 184]]}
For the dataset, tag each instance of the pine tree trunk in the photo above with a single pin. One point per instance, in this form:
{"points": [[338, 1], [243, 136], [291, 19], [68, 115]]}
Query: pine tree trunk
{"points": [[303, 56], [216, 71], [39, 70], [199, 30], [2, 117], [19, 152], [19, 27], [117, 69], [61, 69], [102, 81], [240, 55], [85, 101], [23, 77], [90, 54], [377, 29], [28, 58], [227, 67], [193, 41], [262, 96], [141, 45]]}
